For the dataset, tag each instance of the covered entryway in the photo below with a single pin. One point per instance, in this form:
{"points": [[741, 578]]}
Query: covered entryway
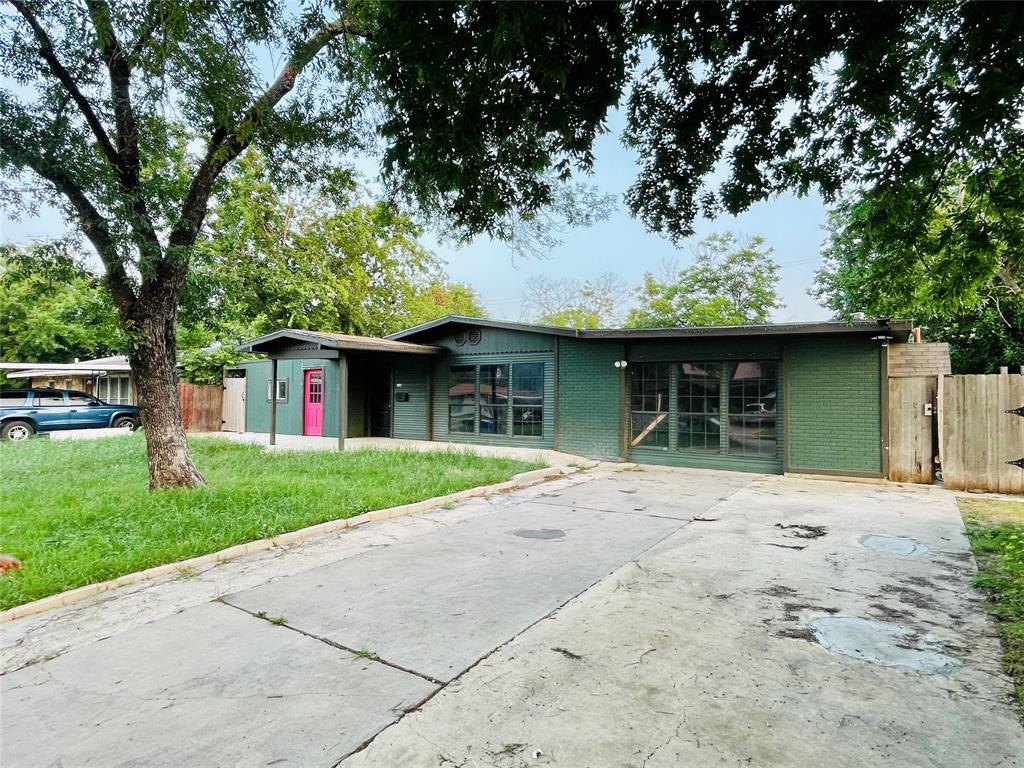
{"points": [[327, 385]]}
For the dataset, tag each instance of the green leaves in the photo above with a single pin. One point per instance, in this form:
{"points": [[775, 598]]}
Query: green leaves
{"points": [[732, 282]]}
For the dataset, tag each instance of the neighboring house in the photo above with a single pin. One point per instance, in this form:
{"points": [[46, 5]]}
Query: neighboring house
{"points": [[108, 378], [799, 397]]}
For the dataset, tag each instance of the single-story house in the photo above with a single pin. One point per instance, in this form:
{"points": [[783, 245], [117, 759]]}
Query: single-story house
{"points": [[797, 397], [108, 378]]}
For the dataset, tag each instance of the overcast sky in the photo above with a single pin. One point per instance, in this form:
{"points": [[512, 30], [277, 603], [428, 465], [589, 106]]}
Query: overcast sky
{"points": [[792, 227]]}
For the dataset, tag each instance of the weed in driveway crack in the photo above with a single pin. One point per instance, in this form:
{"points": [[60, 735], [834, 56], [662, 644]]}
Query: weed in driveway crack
{"points": [[567, 653]]}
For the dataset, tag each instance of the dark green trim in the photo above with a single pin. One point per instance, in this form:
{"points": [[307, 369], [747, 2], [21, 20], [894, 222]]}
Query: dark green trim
{"points": [[883, 392], [710, 461]]}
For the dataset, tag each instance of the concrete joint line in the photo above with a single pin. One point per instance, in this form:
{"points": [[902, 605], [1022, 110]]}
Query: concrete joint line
{"points": [[334, 644], [442, 686], [62, 599]]}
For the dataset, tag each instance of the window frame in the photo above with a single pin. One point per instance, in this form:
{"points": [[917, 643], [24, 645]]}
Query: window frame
{"points": [[503, 412], [717, 366], [662, 372], [515, 407], [280, 399]]}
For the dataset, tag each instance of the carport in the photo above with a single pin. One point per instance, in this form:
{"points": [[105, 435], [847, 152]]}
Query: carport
{"points": [[337, 351]]}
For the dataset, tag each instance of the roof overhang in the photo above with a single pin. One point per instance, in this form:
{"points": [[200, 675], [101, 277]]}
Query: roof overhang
{"points": [[37, 370], [877, 325], [288, 343]]}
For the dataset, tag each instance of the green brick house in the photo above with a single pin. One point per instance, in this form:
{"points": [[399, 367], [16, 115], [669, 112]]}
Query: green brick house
{"points": [[800, 397]]}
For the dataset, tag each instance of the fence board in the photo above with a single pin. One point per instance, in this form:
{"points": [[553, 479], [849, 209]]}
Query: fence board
{"points": [[978, 436], [201, 406]]}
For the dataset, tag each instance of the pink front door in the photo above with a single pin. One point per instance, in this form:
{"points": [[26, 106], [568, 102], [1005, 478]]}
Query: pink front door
{"points": [[313, 411]]}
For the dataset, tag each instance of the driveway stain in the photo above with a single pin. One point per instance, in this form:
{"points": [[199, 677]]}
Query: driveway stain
{"points": [[894, 545], [884, 643], [544, 534]]}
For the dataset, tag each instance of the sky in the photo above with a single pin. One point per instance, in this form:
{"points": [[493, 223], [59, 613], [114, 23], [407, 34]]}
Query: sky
{"points": [[793, 227]]}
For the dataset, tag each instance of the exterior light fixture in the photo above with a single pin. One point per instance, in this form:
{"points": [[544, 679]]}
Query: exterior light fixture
{"points": [[883, 338], [621, 363]]}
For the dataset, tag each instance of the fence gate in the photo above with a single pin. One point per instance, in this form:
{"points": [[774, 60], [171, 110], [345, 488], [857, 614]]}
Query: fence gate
{"points": [[979, 437], [201, 406], [912, 429], [234, 404]]}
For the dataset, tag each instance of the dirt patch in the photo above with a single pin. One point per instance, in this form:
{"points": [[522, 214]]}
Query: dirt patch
{"points": [[779, 590], [789, 610], [796, 633], [801, 531], [910, 596], [888, 612]]}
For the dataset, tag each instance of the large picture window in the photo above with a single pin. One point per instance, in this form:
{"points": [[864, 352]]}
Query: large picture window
{"points": [[462, 399], [649, 405], [528, 399], [501, 399], [752, 404], [699, 406]]}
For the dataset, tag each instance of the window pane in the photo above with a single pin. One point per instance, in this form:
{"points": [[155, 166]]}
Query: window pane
{"points": [[48, 399], [649, 386], [13, 397], [528, 399], [462, 399], [79, 398], [698, 405], [493, 399], [752, 409]]}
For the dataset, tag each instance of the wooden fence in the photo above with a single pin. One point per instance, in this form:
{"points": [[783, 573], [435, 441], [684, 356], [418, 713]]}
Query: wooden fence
{"points": [[977, 436], [912, 429], [201, 406]]}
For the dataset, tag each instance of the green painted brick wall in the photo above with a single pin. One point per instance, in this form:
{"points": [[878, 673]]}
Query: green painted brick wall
{"points": [[589, 398], [835, 406]]}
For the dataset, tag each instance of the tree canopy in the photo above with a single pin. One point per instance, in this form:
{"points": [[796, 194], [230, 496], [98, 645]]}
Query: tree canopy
{"points": [[53, 308], [950, 256], [569, 303], [731, 282]]}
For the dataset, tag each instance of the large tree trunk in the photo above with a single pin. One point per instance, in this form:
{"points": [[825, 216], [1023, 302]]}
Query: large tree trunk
{"points": [[153, 370]]}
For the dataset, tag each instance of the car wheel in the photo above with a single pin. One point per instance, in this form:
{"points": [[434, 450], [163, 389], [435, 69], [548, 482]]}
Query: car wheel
{"points": [[124, 422], [16, 431]]}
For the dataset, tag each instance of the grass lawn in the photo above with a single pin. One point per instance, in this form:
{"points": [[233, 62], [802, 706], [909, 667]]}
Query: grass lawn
{"points": [[79, 512], [996, 530]]}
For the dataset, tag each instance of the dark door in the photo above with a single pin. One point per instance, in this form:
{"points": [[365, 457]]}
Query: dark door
{"points": [[380, 402]]}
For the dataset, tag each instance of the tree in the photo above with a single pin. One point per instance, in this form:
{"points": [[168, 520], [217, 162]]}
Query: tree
{"points": [[273, 256], [130, 113], [576, 303], [52, 308], [731, 282], [950, 256]]}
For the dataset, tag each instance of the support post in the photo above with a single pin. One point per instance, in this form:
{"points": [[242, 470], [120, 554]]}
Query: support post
{"points": [[342, 401], [273, 401]]}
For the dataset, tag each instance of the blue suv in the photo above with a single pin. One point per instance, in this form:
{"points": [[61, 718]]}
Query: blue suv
{"points": [[23, 412]]}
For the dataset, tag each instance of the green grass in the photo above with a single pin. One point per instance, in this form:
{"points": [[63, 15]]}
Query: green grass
{"points": [[79, 512], [996, 531]]}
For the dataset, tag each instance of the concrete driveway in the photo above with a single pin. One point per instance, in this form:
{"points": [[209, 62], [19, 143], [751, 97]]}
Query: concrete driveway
{"points": [[631, 618]]}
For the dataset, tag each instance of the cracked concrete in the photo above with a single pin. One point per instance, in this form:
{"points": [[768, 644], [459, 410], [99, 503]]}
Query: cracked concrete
{"points": [[673, 623]]}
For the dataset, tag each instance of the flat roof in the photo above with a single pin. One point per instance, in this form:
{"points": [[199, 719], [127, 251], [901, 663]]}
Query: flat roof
{"points": [[272, 342], [766, 329]]}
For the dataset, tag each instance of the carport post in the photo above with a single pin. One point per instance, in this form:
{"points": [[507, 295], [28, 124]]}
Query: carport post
{"points": [[342, 400], [273, 401]]}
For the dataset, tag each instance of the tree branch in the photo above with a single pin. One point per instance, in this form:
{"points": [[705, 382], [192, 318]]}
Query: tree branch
{"points": [[128, 168], [226, 144], [46, 51]]}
